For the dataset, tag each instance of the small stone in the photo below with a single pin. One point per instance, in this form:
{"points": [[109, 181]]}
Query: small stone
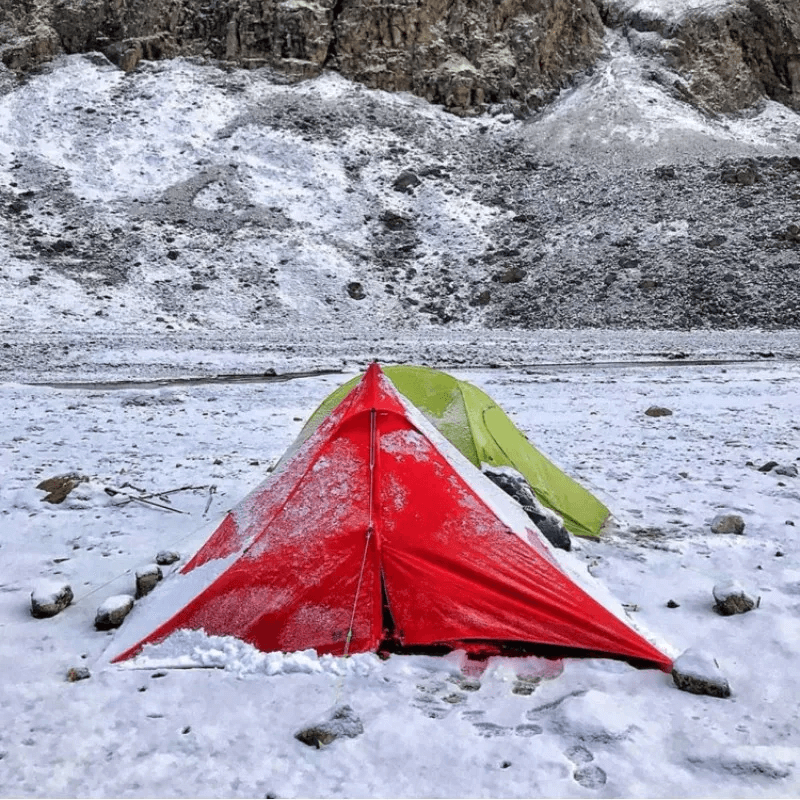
{"points": [[78, 674], [166, 557], [731, 598], [727, 523], [50, 598], [658, 411], [343, 722], [698, 674], [768, 466], [113, 611], [146, 579], [356, 290], [672, 604]]}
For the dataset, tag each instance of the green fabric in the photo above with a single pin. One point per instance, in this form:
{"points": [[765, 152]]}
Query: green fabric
{"points": [[479, 428]]}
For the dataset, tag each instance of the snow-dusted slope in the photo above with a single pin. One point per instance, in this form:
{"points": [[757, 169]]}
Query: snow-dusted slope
{"points": [[183, 197]]}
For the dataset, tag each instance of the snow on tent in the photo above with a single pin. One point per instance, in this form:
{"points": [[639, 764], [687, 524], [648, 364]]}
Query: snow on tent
{"points": [[481, 430], [378, 534]]}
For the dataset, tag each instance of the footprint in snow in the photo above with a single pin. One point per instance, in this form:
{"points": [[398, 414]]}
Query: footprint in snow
{"points": [[588, 775]]}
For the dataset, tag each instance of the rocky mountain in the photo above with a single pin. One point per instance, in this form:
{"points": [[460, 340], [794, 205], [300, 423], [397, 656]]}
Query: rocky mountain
{"points": [[190, 194], [464, 55]]}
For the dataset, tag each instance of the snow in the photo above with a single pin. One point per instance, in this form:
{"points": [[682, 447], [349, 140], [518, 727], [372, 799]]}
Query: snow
{"points": [[117, 602], [648, 738], [129, 403], [46, 592]]}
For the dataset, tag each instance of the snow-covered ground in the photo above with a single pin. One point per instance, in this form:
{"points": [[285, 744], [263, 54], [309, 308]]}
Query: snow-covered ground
{"points": [[596, 728], [169, 236]]}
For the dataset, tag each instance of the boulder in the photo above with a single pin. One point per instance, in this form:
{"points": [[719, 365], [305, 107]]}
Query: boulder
{"points": [[146, 579], [78, 674], [112, 613], [730, 598], [343, 722], [49, 598], [513, 483], [696, 673], [727, 523]]}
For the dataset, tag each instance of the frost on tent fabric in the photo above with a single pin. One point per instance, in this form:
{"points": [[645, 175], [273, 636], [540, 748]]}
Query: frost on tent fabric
{"points": [[482, 432], [379, 534]]}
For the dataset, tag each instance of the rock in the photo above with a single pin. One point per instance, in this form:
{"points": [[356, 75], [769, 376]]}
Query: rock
{"points": [[727, 523], [78, 674], [49, 598], [768, 466], [147, 578], [60, 486], [513, 483], [698, 674], [113, 611], [356, 290], [512, 274], [672, 604], [730, 598], [343, 722], [406, 181], [461, 55], [788, 470], [705, 47], [394, 221], [658, 411], [745, 175], [166, 557]]}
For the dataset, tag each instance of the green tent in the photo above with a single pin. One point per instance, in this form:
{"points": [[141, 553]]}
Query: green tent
{"points": [[480, 429]]}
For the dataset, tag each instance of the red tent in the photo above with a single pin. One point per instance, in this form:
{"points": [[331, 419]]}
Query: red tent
{"points": [[378, 533]]}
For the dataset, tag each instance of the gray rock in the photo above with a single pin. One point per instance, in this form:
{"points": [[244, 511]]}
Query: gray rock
{"points": [[698, 674], [730, 598], [727, 523], [113, 611], [147, 578], [356, 290], [78, 674], [658, 411], [50, 598], [166, 557], [343, 722], [524, 49], [787, 470], [406, 181], [513, 483]]}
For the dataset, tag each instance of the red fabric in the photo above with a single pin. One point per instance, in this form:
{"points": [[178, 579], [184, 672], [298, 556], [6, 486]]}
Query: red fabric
{"points": [[370, 497]]}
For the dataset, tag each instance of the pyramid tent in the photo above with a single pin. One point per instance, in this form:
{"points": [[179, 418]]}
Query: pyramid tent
{"points": [[482, 431], [378, 533]]}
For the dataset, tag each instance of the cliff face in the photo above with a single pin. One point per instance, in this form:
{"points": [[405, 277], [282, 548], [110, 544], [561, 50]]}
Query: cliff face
{"points": [[730, 55], [461, 55]]}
